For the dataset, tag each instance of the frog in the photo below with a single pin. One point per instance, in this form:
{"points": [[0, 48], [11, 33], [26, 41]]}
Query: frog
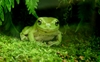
{"points": [[45, 30]]}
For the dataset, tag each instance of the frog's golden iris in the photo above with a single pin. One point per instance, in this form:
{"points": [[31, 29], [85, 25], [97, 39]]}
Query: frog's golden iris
{"points": [[45, 29]]}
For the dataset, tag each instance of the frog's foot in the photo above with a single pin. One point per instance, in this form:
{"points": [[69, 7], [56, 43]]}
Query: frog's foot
{"points": [[23, 38], [51, 43]]}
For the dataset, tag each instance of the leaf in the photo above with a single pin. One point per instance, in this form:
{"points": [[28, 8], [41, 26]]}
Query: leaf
{"points": [[18, 1], [7, 3], [0, 22], [0, 2], [5, 9], [7, 21], [12, 3], [83, 14], [1, 13], [99, 11], [3, 5], [32, 5], [79, 24]]}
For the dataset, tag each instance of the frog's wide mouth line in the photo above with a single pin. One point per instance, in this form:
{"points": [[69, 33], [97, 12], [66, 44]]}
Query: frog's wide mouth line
{"points": [[47, 30]]}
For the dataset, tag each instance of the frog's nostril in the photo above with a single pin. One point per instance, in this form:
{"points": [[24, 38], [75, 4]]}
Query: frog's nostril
{"points": [[48, 25]]}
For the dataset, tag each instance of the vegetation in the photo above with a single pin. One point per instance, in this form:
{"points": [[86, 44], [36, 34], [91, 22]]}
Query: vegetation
{"points": [[74, 47], [5, 14], [78, 44]]}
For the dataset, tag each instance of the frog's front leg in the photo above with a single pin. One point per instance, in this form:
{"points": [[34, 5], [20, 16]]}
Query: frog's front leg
{"points": [[31, 36], [58, 41], [23, 36], [32, 39], [24, 33]]}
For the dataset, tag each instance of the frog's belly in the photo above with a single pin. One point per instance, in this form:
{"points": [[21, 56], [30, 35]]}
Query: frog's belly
{"points": [[44, 38]]}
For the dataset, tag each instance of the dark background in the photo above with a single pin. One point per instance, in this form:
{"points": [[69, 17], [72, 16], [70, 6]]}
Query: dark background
{"points": [[21, 16]]}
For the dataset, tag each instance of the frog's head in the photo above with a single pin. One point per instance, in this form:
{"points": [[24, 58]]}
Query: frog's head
{"points": [[47, 24]]}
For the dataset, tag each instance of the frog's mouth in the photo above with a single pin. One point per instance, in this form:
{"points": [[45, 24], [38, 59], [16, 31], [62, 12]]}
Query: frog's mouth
{"points": [[46, 30]]}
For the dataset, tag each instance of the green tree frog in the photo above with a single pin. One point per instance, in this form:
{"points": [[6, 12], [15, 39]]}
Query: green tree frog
{"points": [[45, 29]]}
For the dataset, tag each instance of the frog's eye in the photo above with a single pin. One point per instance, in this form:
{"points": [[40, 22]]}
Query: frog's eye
{"points": [[57, 23], [39, 22]]}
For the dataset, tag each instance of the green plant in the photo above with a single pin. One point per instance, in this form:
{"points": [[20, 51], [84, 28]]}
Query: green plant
{"points": [[32, 5], [5, 6], [12, 49], [86, 10], [6, 17]]}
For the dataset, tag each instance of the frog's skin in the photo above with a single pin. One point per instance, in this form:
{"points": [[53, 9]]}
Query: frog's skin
{"points": [[45, 29]]}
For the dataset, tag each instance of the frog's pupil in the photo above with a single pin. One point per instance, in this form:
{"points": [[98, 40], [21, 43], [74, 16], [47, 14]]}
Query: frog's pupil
{"points": [[57, 23], [39, 22]]}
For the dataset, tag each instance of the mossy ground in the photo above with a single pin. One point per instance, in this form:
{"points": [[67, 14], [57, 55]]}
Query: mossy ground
{"points": [[75, 47]]}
